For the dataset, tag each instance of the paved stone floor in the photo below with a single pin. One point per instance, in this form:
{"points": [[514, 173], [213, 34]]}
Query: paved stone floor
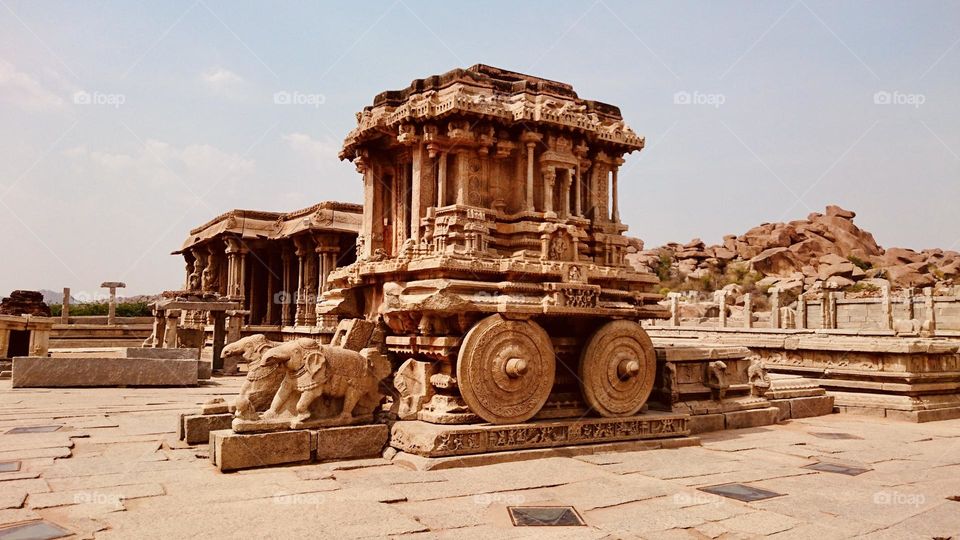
{"points": [[114, 471]]}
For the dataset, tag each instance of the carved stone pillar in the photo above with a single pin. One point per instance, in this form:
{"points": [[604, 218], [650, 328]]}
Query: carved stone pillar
{"points": [[801, 318], [236, 274], [271, 293], [442, 180], [887, 307], [252, 297], [774, 308], [530, 205], [674, 309], [170, 329], [326, 248], [286, 313], [189, 270], [549, 179], [721, 298], [929, 327], [832, 296], [565, 193], [747, 311], [200, 255], [908, 302], [463, 176], [615, 202], [303, 250]]}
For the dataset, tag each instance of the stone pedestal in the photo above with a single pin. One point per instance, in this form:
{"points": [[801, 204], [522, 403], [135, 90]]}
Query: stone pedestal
{"points": [[433, 440], [711, 384]]}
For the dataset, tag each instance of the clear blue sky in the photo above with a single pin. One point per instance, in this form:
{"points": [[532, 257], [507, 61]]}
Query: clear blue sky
{"points": [[182, 123]]}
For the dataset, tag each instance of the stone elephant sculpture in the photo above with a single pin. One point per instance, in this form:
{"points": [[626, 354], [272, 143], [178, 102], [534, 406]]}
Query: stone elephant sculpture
{"points": [[315, 371], [262, 382]]}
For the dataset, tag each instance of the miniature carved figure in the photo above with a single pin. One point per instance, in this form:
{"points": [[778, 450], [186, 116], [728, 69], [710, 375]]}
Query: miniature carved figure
{"points": [[716, 380], [759, 378]]}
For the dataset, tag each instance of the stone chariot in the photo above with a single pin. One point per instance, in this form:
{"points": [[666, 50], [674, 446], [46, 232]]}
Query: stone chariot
{"points": [[492, 252]]}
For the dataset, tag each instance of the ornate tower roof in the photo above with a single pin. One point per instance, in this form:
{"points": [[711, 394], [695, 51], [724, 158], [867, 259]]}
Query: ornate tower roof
{"points": [[495, 95]]}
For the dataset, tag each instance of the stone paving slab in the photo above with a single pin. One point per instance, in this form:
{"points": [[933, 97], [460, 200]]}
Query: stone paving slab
{"points": [[125, 479]]}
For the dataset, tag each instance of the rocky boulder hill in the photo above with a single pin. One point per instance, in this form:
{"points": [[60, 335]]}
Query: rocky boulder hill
{"points": [[824, 251]]}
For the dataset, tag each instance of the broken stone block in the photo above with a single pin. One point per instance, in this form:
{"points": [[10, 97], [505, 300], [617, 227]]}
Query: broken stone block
{"points": [[353, 442]]}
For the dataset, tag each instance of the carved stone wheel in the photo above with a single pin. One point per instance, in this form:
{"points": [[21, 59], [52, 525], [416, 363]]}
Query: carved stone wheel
{"points": [[617, 369], [505, 369]]}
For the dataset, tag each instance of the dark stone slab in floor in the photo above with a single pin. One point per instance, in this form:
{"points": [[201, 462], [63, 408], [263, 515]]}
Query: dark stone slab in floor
{"points": [[834, 435], [10, 466], [34, 530], [741, 492], [545, 516], [33, 429], [836, 468]]}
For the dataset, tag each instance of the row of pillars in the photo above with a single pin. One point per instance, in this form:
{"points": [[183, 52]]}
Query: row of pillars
{"points": [[304, 273], [112, 286], [780, 317]]}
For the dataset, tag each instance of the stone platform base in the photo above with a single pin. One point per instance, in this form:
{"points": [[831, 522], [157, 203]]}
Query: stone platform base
{"points": [[433, 440], [703, 423], [231, 451], [44, 372], [910, 409], [420, 463], [803, 407]]}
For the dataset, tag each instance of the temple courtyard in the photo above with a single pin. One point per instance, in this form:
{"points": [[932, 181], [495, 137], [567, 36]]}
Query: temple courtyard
{"points": [[112, 468]]}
